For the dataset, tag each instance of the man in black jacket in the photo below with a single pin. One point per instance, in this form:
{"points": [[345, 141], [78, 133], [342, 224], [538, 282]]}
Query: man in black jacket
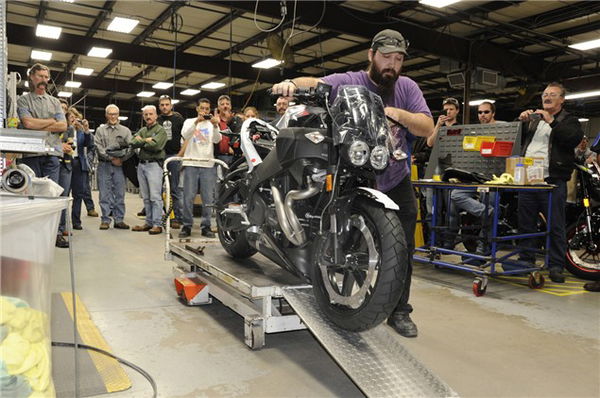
{"points": [[552, 134]]}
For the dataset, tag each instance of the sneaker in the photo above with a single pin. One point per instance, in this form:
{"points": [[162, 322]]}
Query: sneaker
{"points": [[592, 286], [61, 242], [142, 228], [77, 227], [104, 225], [121, 225], [92, 213], [155, 230], [556, 276], [142, 213], [175, 224], [206, 232], [185, 232], [402, 324]]}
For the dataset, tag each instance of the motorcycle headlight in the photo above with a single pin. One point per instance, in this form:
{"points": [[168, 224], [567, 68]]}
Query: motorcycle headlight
{"points": [[358, 153], [379, 157]]}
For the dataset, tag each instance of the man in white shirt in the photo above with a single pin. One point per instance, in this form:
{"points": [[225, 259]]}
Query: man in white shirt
{"points": [[200, 135]]}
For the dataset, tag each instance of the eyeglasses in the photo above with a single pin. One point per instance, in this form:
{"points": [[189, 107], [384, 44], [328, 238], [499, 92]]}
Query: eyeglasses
{"points": [[112, 114], [390, 41], [486, 112], [164, 96], [452, 101], [551, 95]]}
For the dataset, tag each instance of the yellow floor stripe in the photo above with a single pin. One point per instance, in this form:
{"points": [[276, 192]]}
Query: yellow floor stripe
{"points": [[115, 378], [570, 287]]}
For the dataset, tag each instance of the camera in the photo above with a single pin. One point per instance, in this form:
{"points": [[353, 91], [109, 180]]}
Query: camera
{"points": [[207, 117], [535, 117]]}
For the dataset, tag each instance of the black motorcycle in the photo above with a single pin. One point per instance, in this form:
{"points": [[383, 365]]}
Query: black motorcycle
{"points": [[309, 205], [583, 236]]}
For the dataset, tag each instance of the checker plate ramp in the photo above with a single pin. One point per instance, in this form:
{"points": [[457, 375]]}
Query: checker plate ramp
{"points": [[374, 359]]}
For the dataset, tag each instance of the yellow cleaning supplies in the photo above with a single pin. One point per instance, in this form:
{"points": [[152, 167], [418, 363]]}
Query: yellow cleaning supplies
{"points": [[504, 179]]}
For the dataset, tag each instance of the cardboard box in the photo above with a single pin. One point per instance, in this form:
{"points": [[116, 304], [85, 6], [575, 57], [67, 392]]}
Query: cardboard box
{"points": [[534, 168]]}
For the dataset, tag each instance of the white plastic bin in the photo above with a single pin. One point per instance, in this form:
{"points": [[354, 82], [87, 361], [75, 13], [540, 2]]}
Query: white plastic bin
{"points": [[27, 236]]}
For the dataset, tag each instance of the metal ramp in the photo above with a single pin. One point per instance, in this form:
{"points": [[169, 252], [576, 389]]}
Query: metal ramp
{"points": [[374, 359]]}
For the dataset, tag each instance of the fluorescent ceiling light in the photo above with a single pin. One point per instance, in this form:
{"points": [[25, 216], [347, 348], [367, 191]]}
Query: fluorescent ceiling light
{"points": [[51, 32], [73, 84], [479, 102], [584, 94], [438, 3], [41, 55], [68, 1], [175, 101], [584, 119], [65, 94], [123, 118], [83, 71], [267, 63], [162, 85], [99, 52], [91, 130], [190, 91], [586, 45], [145, 94], [213, 85], [123, 25]]}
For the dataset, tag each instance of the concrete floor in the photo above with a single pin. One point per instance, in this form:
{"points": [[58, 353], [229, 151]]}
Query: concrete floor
{"points": [[513, 342]]}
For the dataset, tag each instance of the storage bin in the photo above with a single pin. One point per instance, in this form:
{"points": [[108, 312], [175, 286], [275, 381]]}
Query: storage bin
{"points": [[28, 229], [501, 149], [473, 142]]}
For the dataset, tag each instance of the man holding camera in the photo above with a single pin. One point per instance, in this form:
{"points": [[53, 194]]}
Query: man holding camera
{"points": [[552, 134], [111, 179], [200, 135]]}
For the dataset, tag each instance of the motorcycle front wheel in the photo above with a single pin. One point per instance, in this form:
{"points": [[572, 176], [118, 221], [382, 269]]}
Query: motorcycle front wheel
{"points": [[583, 254], [363, 289]]}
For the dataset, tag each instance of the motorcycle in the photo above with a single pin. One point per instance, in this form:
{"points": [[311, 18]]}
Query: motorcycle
{"points": [[583, 236], [309, 205]]}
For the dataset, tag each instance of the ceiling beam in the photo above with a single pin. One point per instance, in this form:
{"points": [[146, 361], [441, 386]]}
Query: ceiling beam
{"points": [[42, 11], [480, 10], [215, 26]]}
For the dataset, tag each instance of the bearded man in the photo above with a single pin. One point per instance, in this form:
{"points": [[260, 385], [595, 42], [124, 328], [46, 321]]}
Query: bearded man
{"points": [[404, 103]]}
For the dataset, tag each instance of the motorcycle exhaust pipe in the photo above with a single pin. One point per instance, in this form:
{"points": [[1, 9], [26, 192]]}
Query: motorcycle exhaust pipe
{"points": [[290, 225]]}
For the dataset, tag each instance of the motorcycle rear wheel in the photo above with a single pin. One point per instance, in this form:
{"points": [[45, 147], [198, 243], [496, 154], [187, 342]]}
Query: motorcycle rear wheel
{"points": [[582, 263], [364, 291]]}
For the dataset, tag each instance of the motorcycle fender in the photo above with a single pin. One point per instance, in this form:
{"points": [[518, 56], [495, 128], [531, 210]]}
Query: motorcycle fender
{"points": [[378, 196]]}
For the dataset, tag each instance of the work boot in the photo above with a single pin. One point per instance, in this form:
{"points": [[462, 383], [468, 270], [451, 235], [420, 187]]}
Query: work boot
{"points": [[155, 230], [92, 213], [185, 232], [175, 224], [77, 226], [592, 286], [142, 213], [121, 225], [104, 225], [402, 324], [142, 228], [62, 242], [206, 232], [556, 276]]}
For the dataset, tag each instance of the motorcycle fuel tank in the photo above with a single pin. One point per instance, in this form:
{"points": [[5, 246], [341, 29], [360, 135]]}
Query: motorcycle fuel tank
{"points": [[292, 145]]}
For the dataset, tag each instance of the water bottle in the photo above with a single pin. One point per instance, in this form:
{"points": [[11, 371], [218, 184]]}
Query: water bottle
{"points": [[519, 174]]}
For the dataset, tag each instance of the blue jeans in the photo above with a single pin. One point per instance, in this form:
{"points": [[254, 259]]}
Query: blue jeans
{"points": [[532, 203], [111, 188], [64, 180], [466, 200], [44, 166], [206, 177], [150, 177], [80, 188], [177, 201]]}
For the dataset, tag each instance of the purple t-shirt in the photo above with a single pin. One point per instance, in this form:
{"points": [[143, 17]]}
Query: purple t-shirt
{"points": [[407, 96]]}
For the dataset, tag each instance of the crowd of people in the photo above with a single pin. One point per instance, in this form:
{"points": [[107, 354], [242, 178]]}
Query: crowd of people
{"points": [[552, 134]]}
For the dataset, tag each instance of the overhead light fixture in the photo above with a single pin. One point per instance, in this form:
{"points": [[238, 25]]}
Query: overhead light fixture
{"points": [[41, 55], [91, 130], [26, 84], [123, 118], [162, 85], [73, 84], [479, 102], [190, 92], [51, 32], [267, 63], [83, 71], [212, 85], [145, 94], [65, 94], [123, 25], [586, 45], [68, 1], [584, 119], [438, 3], [175, 101], [583, 94], [99, 52]]}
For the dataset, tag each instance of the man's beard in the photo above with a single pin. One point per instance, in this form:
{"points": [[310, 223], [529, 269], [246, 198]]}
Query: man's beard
{"points": [[385, 84]]}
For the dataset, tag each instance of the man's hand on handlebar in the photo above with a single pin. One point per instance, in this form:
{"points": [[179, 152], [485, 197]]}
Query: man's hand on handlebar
{"points": [[286, 88]]}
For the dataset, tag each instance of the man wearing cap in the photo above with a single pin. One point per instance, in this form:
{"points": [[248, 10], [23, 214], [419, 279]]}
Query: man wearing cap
{"points": [[404, 102]]}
